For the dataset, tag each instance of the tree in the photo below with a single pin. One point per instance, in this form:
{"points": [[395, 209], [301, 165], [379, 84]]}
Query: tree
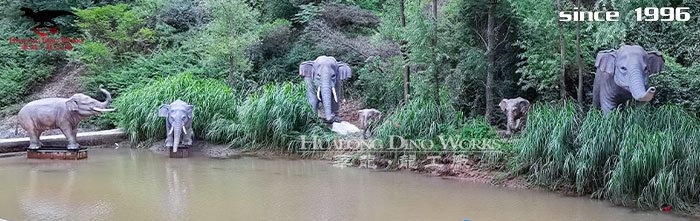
{"points": [[435, 61], [407, 75], [579, 89], [234, 29], [491, 56], [562, 48]]}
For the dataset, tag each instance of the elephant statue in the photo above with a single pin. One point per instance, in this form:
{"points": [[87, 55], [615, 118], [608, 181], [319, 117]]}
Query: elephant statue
{"points": [[323, 78], [516, 109], [62, 113], [365, 116], [178, 120], [622, 75]]}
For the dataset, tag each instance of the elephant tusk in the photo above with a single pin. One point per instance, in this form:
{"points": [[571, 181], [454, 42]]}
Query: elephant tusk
{"points": [[171, 131], [335, 96], [318, 93], [183, 130], [103, 110]]}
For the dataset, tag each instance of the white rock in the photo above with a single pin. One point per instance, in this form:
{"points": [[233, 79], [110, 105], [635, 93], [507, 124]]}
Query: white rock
{"points": [[345, 128]]}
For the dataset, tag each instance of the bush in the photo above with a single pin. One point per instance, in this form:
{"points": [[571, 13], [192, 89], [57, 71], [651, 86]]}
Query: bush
{"points": [[645, 156], [677, 85], [158, 65], [115, 26], [381, 84], [272, 119], [421, 119], [137, 110]]}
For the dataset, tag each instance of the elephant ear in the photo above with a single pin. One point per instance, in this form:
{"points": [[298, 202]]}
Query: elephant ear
{"points": [[344, 71], [163, 110], [306, 68], [72, 103], [605, 61], [189, 110], [655, 62], [504, 104], [524, 106]]}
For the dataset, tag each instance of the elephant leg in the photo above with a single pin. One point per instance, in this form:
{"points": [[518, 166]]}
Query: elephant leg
{"points": [[70, 134], [187, 138], [168, 136], [34, 142], [335, 107], [311, 94]]}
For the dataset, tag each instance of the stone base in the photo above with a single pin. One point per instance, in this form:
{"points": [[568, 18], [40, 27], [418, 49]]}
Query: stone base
{"points": [[182, 152], [57, 153]]}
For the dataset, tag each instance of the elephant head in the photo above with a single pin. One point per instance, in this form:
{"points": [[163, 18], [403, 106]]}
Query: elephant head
{"points": [[516, 109], [631, 67], [178, 118], [323, 77], [85, 106]]}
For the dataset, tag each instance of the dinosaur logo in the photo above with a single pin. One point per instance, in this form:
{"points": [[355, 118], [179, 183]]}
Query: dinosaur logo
{"points": [[44, 16]]}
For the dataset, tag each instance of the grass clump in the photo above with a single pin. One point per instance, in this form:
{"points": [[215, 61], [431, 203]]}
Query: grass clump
{"points": [[274, 118], [137, 110], [640, 155]]}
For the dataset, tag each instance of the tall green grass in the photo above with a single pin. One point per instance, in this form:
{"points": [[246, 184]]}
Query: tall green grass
{"points": [[137, 110], [273, 119], [641, 156]]}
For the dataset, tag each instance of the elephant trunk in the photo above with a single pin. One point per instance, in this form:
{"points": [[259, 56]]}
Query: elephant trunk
{"points": [[637, 88], [326, 99], [177, 130], [108, 99]]}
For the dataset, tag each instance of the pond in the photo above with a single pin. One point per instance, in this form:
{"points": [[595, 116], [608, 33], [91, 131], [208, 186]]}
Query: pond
{"points": [[129, 184]]}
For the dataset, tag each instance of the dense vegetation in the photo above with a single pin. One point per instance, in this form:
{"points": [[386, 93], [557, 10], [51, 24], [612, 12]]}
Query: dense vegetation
{"points": [[434, 68], [638, 156]]}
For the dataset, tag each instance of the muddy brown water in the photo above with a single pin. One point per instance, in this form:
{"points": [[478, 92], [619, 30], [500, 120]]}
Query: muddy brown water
{"points": [[130, 184]]}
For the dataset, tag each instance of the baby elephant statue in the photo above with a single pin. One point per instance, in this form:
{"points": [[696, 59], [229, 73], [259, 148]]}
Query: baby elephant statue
{"points": [[366, 117], [323, 78], [178, 121], [622, 75], [516, 109], [62, 113]]}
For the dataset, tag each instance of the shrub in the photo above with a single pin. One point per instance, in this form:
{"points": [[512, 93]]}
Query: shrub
{"points": [[275, 118], [158, 65], [645, 156], [677, 85], [421, 119], [381, 84], [137, 110], [113, 25]]}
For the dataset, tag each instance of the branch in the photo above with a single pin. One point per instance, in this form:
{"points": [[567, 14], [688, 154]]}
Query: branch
{"points": [[486, 45]]}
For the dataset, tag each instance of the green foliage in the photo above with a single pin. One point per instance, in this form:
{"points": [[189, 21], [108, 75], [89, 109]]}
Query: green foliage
{"points": [[274, 119], [307, 13], [137, 110], [114, 25], [381, 84], [158, 65], [643, 156], [677, 85], [421, 119]]}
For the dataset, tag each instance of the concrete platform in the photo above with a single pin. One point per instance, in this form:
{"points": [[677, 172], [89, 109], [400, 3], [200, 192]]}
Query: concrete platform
{"points": [[182, 152], [57, 153], [84, 139]]}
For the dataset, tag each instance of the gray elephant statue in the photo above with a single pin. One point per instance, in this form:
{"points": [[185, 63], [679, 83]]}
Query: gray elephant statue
{"points": [[366, 116], [516, 109], [622, 75], [178, 123], [323, 78], [62, 113]]}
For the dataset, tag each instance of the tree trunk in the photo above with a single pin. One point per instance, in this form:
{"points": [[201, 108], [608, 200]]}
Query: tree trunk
{"points": [[230, 70], [407, 75], [491, 58], [579, 90], [435, 63], [562, 47]]}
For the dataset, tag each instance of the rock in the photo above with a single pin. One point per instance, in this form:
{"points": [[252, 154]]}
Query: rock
{"points": [[345, 128]]}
